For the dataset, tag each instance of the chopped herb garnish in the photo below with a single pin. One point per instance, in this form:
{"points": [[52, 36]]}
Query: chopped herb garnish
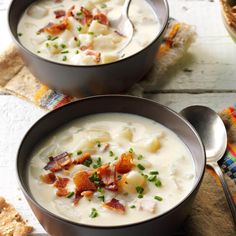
{"points": [[141, 167], [102, 197], [77, 52], [154, 172], [79, 152], [79, 28], [88, 162], [152, 178], [131, 150], [158, 198], [38, 51], [123, 55], [19, 34], [63, 46], [119, 177], [93, 213], [47, 45], [116, 158], [38, 33], [50, 37], [132, 206], [63, 52], [54, 38], [95, 178], [158, 183], [98, 163], [70, 195], [140, 196], [64, 58], [91, 33], [140, 157], [99, 144], [139, 189], [103, 5], [100, 190], [79, 13], [55, 46], [111, 153], [145, 176]]}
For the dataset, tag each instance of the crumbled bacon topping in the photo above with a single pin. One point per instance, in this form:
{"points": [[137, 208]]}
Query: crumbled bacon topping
{"points": [[115, 205], [81, 159], [101, 18], [59, 13], [61, 182], [70, 11], [107, 174], [62, 192], [96, 54], [85, 47], [55, 29], [58, 162], [125, 163], [87, 194], [48, 178], [86, 17]]}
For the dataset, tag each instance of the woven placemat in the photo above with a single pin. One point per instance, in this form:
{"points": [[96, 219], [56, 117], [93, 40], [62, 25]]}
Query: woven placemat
{"points": [[210, 215]]}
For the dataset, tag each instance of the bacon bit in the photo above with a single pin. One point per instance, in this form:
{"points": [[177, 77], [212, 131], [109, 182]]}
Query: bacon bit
{"points": [[94, 53], [115, 205], [55, 29], [125, 163], [70, 11], [61, 182], [87, 194], [107, 175], [62, 192], [106, 146], [81, 159], [58, 1], [59, 13], [77, 197], [85, 47], [101, 18], [83, 183], [48, 178], [59, 162], [87, 16]]}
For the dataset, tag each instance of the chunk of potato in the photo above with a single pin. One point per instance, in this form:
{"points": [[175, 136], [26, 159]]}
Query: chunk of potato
{"points": [[98, 28], [107, 58], [37, 12], [126, 133], [150, 144], [130, 181]]}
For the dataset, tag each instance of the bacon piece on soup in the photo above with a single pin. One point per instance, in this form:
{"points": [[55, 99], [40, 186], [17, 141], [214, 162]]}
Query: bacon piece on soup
{"points": [[85, 47], [107, 175], [70, 11], [59, 13], [96, 54], [101, 18], [59, 162], [55, 29], [61, 182], [87, 194], [62, 192], [49, 178], [115, 205], [86, 17], [125, 163], [82, 158]]}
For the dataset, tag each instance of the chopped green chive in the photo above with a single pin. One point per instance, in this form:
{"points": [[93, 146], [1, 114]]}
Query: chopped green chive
{"points": [[47, 45], [102, 197], [95, 178], [116, 158], [119, 177], [154, 173], [38, 51], [54, 38], [64, 58], [79, 13], [131, 150], [158, 183], [70, 195], [79, 152], [77, 52], [63, 46], [140, 157], [103, 5], [64, 52], [111, 153], [158, 198], [99, 144], [132, 206], [55, 46], [140, 196], [79, 28], [38, 33], [141, 167], [19, 34], [152, 178], [98, 163], [50, 37], [93, 213], [139, 189], [88, 162], [100, 190], [91, 33]]}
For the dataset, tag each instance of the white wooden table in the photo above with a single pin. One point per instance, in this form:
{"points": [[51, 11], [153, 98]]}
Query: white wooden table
{"points": [[209, 80]]}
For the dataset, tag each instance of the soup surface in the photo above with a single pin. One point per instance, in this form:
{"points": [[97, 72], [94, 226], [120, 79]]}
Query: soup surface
{"points": [[78, 32], [111, 169]]}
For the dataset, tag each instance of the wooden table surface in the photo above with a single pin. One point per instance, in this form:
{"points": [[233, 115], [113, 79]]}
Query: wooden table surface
{"points": [[206, 75]]}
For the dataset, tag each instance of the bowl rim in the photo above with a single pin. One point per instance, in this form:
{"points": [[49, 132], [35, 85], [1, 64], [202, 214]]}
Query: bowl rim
{"points": [[22, 47], [30, 197]]}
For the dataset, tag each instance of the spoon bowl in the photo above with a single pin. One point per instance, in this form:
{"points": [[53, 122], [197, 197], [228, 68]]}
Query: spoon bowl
{"points": [[212, 131]]}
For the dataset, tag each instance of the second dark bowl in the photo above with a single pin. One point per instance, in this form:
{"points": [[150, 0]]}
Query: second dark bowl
{"points": [[81, 81]]}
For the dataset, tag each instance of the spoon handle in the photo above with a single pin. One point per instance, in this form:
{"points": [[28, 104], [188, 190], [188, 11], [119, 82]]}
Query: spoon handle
{"points": [[228, 195]]}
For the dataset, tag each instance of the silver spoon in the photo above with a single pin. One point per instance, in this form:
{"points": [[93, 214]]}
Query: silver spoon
{"points": [[212, 131], [123, 24]]}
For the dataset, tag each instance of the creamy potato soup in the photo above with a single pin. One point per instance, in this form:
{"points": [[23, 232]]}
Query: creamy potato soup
{"points": [[111, 169], [78, 32]]}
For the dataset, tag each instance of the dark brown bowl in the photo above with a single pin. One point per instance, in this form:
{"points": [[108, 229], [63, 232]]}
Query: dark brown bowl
{"points": [[81, 81], [163, 225]]}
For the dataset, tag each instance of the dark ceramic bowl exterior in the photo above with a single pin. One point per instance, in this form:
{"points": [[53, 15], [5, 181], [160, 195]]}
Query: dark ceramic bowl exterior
{"points": [[81, 81], [163, 225]]}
